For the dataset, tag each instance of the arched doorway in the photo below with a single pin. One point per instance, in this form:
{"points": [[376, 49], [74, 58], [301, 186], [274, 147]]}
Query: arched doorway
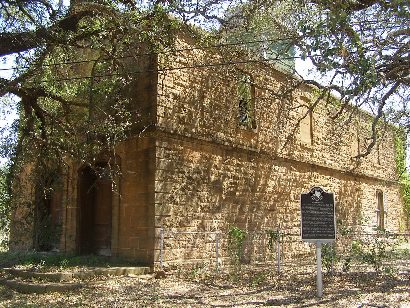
{"points": [[95, 210]]}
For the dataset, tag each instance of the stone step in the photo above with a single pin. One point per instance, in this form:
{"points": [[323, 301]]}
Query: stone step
{"points": [[24, 274], [113, 271], [31, 287], [83, 274], [59, 282]]}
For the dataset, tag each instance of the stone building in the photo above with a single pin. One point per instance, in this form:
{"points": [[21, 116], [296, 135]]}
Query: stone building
{"points": [[224, 144]]}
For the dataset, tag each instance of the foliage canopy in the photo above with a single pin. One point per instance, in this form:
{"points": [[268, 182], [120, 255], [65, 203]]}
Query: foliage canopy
{"points": [[362, 46]]}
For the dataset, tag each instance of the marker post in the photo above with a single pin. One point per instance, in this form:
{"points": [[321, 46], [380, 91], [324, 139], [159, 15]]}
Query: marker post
{"points": [[319, 282]]}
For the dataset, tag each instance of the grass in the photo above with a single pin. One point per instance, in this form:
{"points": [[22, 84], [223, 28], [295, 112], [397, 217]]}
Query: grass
{"points": [[48, 260]]}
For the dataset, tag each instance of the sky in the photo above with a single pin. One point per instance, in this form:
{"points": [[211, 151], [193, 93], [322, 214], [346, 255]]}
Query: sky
{"points": [[7, 115]]}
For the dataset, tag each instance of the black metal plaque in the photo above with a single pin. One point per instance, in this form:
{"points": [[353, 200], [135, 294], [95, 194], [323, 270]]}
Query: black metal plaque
{"points": [[318, 215]]}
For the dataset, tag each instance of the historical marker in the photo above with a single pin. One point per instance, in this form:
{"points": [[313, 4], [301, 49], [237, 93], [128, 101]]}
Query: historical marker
{"points": [[318, 216], [318, 224]]}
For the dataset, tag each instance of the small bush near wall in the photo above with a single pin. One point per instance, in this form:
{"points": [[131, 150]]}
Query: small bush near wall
{"points": [[4, 207], [236, 238]]}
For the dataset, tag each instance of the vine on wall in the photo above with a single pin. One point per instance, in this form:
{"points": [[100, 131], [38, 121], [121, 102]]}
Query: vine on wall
{"points": [[404, 178]]}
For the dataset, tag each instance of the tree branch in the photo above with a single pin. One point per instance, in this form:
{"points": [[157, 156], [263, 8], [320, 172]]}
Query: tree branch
{"points": [[377, 118], [14, 42]]}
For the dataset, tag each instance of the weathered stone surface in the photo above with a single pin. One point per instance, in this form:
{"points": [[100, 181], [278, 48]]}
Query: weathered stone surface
{"points": [[197, 169], [212, 174]]}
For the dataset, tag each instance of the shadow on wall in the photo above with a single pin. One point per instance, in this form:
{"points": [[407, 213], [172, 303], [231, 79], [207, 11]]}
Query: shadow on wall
{"points": [[212, 189], [348, 209]]}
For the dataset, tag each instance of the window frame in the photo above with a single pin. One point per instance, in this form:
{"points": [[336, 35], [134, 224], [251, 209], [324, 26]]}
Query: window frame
{"points": [[245, 87], [380, 210], [307, 121]]}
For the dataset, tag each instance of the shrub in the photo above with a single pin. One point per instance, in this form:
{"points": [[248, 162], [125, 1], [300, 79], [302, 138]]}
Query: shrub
{"points": [[236, 238]]}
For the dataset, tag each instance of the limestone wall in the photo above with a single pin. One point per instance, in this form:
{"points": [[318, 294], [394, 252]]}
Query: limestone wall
{"points": [[204, 186], [212, 173], [22, 216], [70, 209], [197, 96], [132, 202], [136, 200], [192, 167]]}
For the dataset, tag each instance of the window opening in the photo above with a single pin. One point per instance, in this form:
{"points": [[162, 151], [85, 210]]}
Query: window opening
{"points": [[355, 145], [246, 93], [306, 127], [380, 210]]}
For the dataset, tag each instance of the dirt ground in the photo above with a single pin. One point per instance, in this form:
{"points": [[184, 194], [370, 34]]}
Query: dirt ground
{"points": [[249, 288]]}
